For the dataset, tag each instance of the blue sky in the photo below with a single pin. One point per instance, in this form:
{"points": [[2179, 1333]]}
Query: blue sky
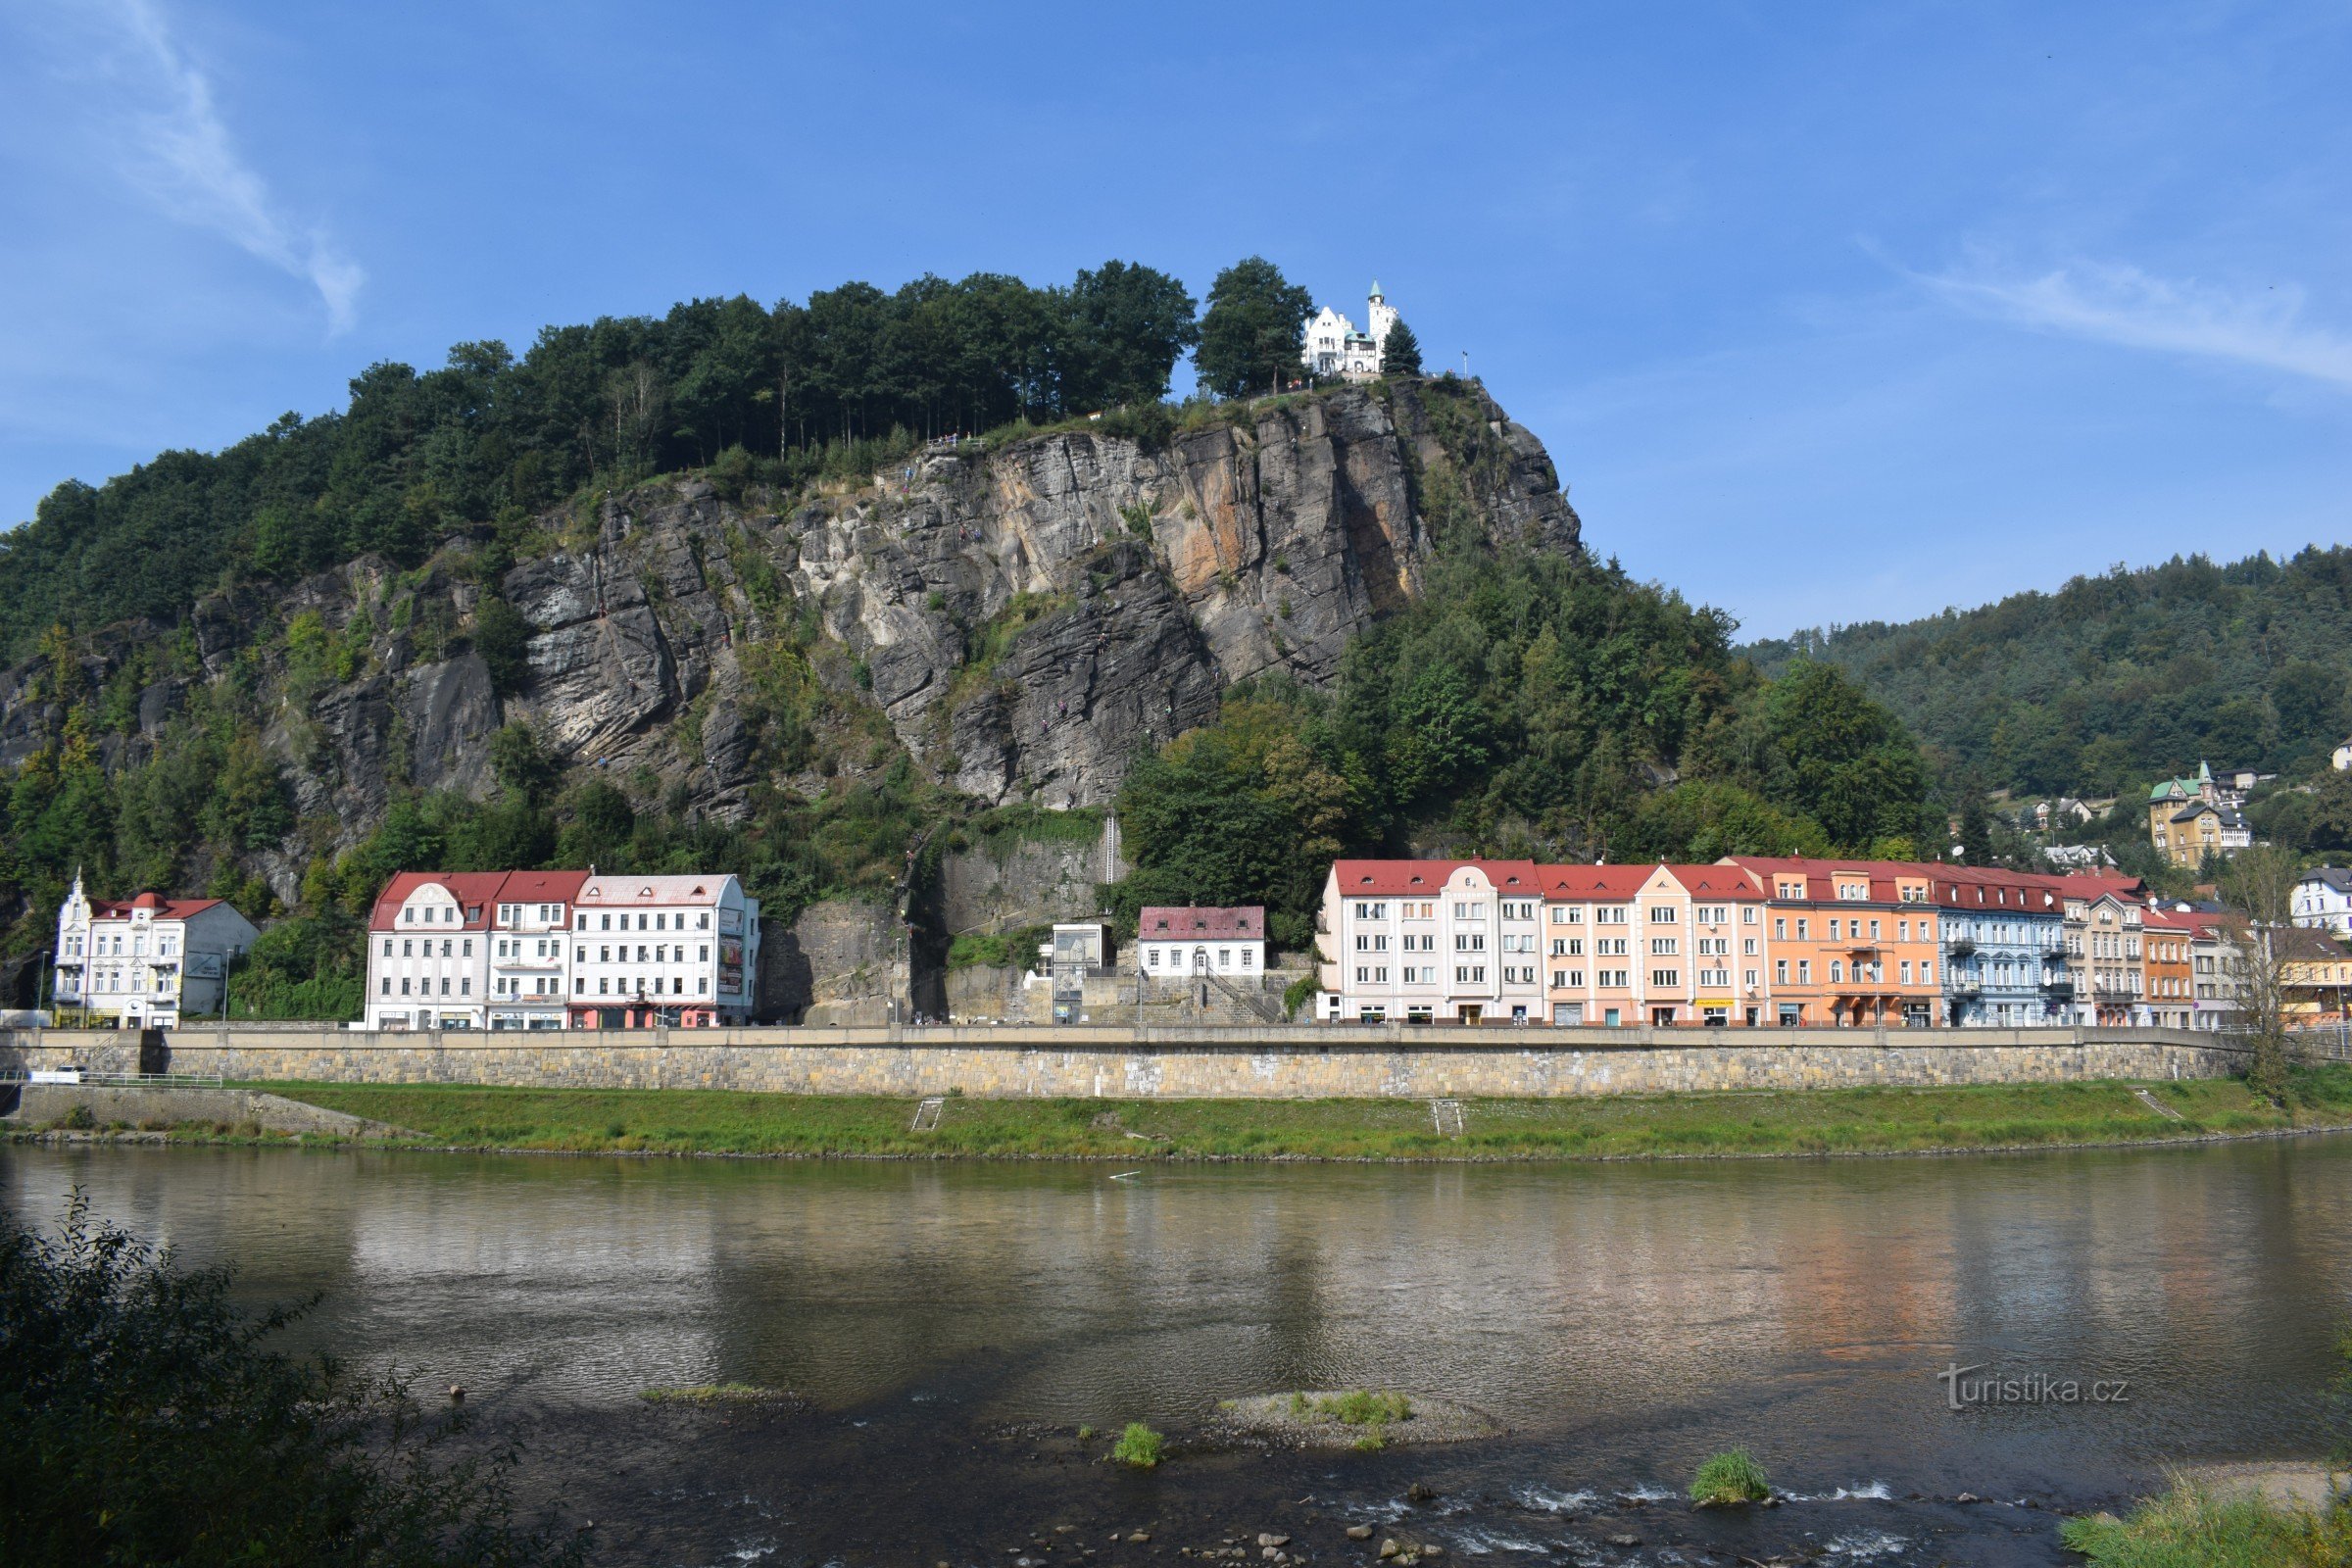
{"points": [[1827, 313]]}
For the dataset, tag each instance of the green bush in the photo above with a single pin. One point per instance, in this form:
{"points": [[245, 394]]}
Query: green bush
{"points": [[1359, 1407], [2191, 1528], [1138, 1446], [1729, 1477], [143, 1421]]}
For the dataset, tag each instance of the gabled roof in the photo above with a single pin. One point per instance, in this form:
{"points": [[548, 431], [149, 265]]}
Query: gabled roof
{"points": [[2297, 944], [630, 891], [1169, 922], [2331, 876], [541, 887], [1882, 875], [1395, 878], [1592, 881], [155, 905], [476, 893]]}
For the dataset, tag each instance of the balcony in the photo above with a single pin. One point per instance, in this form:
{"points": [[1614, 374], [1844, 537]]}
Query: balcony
{"points": [[1960, 947], [2058, 985]]}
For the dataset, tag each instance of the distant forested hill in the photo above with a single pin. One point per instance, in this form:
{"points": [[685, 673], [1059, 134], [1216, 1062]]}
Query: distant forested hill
{"points": [[2116, 679]]}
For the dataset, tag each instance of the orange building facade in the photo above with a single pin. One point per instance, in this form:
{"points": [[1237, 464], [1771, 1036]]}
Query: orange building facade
{"points": [[1852, 943]]}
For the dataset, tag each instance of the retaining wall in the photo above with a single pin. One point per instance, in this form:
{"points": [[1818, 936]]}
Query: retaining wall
{"points": [[1269, 1062]]}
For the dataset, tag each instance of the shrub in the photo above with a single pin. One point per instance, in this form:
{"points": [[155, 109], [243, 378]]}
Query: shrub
{"points": [[78, 1118], [1138, 1446], [141, 1420], [1299, 994], [1359, 1407], [2191, 1528], [1729, 1477]]}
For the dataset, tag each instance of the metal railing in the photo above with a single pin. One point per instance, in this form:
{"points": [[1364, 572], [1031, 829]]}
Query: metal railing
{"points": [[117, 1080]]}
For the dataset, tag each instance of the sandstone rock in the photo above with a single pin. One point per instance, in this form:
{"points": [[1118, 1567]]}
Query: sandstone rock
{"points": [[1259, 543]]}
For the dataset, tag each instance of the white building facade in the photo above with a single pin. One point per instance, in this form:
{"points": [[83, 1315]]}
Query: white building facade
{"points": [[146, 962], [1333, 346], [1430, 942], [2323, 901], [524, 951], [673, 952], [1172, 942], [429, 950]]}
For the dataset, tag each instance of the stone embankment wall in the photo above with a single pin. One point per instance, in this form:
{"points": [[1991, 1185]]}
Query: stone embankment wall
{"points": [[1269, 1062]]}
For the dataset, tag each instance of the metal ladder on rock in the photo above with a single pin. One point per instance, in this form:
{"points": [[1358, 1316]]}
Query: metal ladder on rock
{"points": [[926, 1115], [1446, 1115]]}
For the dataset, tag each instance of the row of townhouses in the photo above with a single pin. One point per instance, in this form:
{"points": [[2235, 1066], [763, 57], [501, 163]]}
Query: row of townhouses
{"points": [[557, 950], [1762, 942]]}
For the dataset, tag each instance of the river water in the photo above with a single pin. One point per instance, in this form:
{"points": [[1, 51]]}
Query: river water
{"points": [[950, 1325]]}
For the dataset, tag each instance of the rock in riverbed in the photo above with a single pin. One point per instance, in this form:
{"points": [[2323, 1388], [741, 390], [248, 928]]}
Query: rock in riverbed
{"points": [[1358, 1419]]}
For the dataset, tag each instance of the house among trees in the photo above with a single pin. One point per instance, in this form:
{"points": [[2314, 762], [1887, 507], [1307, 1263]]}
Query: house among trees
{"points": [[1333, 346], [2191, 818]]}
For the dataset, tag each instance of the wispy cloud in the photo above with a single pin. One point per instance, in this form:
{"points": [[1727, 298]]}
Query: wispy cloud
{"points": [[2115, 304], [168, 140]]}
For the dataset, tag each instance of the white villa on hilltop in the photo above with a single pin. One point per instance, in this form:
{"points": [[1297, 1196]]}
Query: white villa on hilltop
{"points": [[1333, 347]]}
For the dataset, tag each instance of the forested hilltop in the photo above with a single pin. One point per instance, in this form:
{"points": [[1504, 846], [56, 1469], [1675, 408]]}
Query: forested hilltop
{"points": [[2117, 680], [714, 591]]}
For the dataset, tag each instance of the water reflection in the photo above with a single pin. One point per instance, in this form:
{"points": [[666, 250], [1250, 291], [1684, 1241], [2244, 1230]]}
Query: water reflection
{"points": [[1624, 1309]]}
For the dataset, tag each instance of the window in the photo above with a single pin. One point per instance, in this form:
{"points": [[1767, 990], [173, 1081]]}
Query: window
{"points": [[583, 925], [1874, 930], [1661, 947], [702, 921], [464, 986], [388, 946], [1906, 971], [1927, 973], [387, 990], [1780, 930], [466, 948], [579, 985], [702, 985], [1665, 979], [1802, 934], [1804, 971], [1246, 957], [1836, 971], [1661, 914], [1780, 971], [1748, 915]]}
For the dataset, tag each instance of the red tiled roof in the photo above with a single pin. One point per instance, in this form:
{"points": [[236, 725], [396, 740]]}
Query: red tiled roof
{"points": [[541, 887], [1623, 881], [476, 893], [155, 903], [1395, 878], [1167, 922]]}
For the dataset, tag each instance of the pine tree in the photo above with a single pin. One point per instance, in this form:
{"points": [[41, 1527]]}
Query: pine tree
{"points": [[1400, 351]]}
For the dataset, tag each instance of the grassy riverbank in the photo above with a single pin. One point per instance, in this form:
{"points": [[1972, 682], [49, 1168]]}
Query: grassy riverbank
{"points": [[685, 1121]]}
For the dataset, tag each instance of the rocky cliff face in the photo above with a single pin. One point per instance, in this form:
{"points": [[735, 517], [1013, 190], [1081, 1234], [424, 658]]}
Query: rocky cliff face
{"points": [[1022, 620]]}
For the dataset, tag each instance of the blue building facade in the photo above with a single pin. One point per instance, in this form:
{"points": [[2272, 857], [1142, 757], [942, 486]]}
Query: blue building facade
{"points": [[2002, 935]]}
